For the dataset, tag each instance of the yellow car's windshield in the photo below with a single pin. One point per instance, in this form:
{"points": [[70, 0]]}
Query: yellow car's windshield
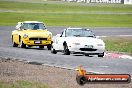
{"points": [[33, 26]]}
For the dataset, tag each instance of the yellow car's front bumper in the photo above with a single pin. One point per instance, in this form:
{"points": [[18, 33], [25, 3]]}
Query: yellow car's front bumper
{"points": [[36, 42]]}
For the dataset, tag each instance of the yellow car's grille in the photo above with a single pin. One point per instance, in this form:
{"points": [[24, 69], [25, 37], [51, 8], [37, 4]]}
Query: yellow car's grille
{"points": [[37, 38]]}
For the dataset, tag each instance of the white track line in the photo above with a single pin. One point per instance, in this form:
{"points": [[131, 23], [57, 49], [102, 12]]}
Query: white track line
{"points": [[116, 35]]}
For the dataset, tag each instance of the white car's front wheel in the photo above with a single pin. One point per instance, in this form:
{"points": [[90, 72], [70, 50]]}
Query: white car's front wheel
{"points": [[66, 50], [101, 55]]}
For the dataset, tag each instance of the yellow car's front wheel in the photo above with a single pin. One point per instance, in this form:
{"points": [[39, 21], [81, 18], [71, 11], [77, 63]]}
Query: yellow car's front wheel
{"points": [[22, 45], [49, 47]]}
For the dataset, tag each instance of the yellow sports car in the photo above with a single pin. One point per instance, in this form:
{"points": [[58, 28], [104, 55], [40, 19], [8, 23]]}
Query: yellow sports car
{"points": [[31, 33]]}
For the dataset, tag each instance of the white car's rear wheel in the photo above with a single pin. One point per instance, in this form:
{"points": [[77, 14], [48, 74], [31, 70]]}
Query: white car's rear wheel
{"points": [[53, 50]]}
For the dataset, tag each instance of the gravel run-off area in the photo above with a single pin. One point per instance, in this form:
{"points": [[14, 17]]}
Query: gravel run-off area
{"points": [[12, 70]]}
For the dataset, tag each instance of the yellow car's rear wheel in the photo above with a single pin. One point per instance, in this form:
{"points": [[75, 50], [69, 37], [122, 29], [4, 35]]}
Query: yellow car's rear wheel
{"points": [[13, 43]]}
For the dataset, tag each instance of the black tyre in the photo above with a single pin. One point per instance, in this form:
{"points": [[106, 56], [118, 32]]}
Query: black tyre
{"points": [[101, 55], [22, 45], [81, 80], [49, 47], [53, 50], [66, 50], [13, 43]]}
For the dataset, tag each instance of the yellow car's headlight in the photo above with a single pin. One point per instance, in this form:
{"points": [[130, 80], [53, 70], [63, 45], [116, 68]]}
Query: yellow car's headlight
{"points": [[25, 36]]}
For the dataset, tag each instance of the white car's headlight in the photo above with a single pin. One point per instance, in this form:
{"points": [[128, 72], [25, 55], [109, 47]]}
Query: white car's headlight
{"points": [[25, 36], [99, 44]]}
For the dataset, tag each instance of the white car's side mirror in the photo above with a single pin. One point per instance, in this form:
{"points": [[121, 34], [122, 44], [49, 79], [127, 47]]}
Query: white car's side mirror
{"points": [[58, 35]]}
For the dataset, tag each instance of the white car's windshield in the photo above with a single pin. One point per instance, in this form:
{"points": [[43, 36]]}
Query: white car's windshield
{"points": [[33, 26], [79, 33]]}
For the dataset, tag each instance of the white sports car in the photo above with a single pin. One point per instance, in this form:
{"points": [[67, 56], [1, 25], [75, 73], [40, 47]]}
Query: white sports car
{"points": [[78, 40]]}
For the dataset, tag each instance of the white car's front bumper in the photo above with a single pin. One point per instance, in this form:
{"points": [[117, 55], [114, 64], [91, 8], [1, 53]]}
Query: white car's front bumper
{"points": [[83, 49]]}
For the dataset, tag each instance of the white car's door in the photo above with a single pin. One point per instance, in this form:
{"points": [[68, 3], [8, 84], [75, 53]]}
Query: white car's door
{"points": [[58, 43], [59, 40]]}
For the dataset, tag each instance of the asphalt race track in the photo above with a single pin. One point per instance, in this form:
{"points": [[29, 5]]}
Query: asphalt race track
{"points": [[92, 64]]}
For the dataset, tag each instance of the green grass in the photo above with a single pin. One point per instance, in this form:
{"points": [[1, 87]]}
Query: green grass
{"points": [[22, 84], [119, 44], [68, 19], [66, 14]]}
